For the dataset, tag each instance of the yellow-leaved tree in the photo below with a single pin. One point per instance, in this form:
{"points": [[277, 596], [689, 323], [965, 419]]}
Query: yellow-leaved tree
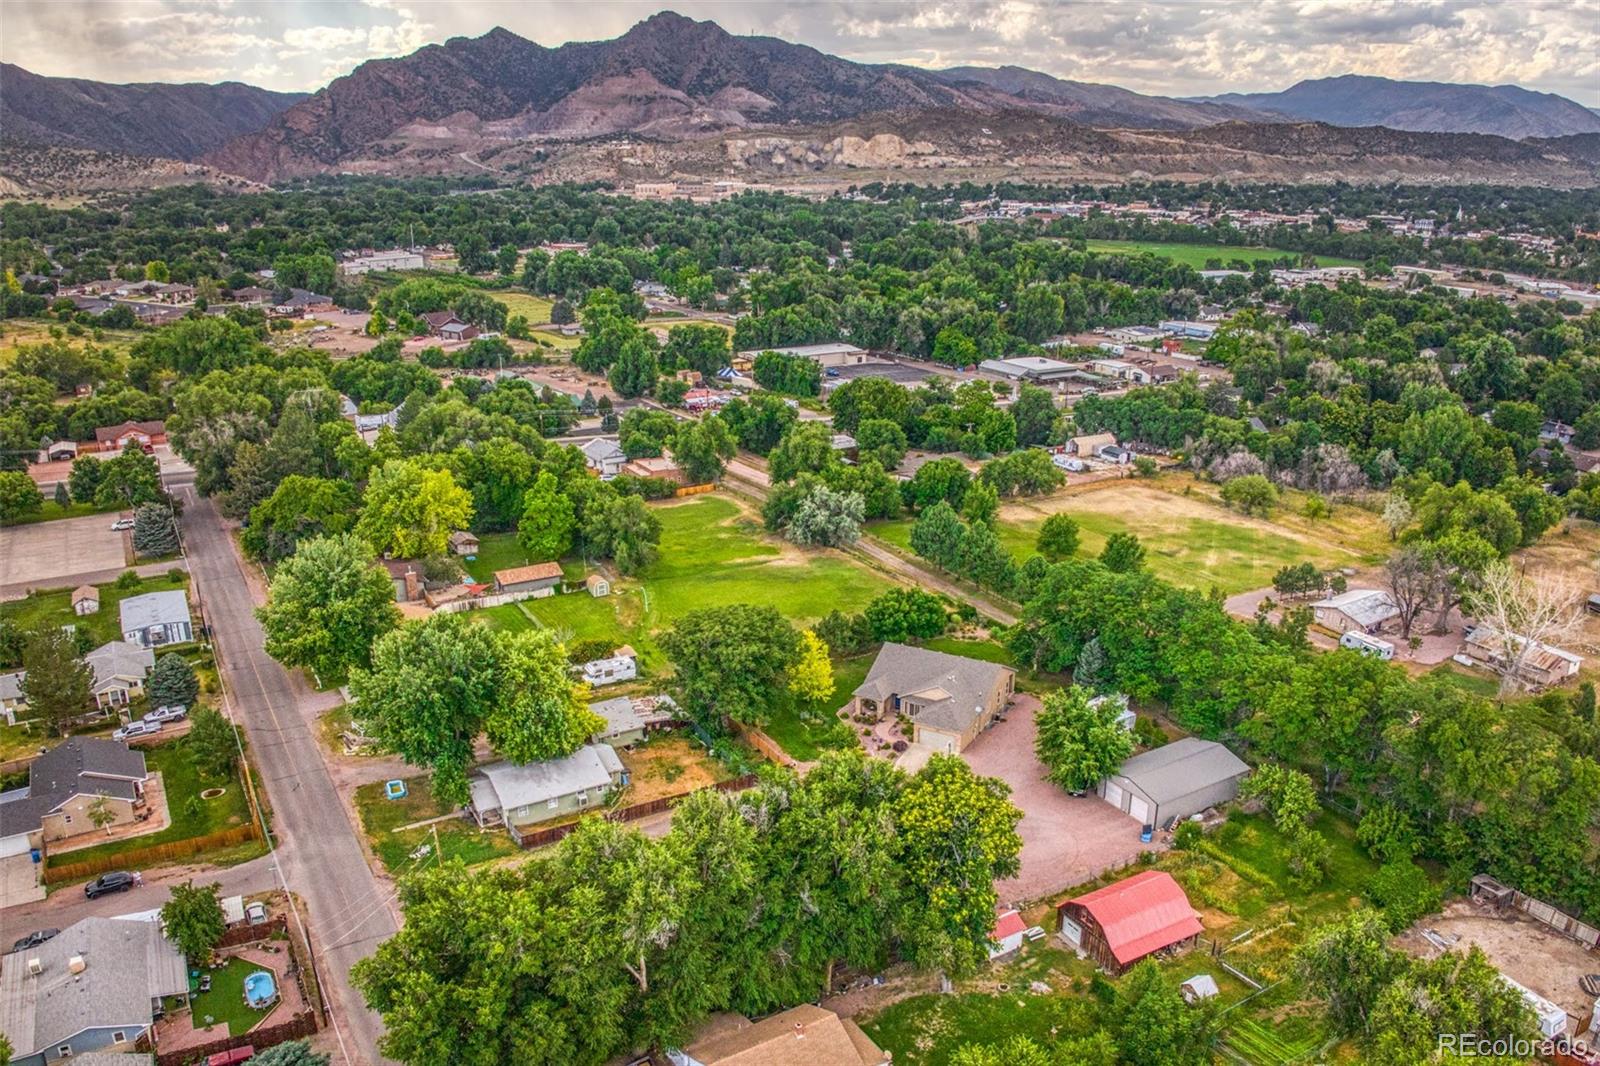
{"points": [[811, 678]]}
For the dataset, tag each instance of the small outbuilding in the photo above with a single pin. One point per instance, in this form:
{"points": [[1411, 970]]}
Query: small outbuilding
{"points": [[598, 585], [85, 600], [1006, 936], [1169, 783], [540, 579], [1200, 986], [1127, 920], [463, 543]]}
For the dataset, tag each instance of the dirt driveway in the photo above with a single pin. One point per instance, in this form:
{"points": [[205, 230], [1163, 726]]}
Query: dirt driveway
{"points": [[1524, 950], [46, 553], [1065, 841]]}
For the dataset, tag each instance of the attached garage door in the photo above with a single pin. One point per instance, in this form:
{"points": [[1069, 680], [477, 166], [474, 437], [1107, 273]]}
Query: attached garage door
{"points": [[13, 845], [1072, 931], [1114, 795], [1139, 809]]}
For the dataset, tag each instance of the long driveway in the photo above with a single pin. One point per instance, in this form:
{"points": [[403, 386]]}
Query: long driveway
{"points": [[321, 860]]}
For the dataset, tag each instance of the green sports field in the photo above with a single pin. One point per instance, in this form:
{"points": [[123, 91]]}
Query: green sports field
{"points": [[1195, 255]]}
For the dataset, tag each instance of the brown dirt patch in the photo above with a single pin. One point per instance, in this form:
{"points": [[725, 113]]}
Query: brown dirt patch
{"points": [[667, 766], [1524, 950]]}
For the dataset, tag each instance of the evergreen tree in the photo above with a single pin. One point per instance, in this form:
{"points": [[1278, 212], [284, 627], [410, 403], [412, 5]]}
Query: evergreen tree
{"points": [[173, 682]]}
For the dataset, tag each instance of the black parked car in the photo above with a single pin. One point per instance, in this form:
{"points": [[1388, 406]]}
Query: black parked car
{"points": [[34, 939], [105, 884]]}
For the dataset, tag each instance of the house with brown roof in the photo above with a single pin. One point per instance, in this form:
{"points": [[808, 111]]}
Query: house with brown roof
{"points": [[85, 600], [144, 435], [540, 579], [949, 698], [806, 1035], [1127, 920], [448, 326]]}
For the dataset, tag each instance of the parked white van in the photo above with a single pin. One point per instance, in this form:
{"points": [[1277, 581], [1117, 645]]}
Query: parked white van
{"points": [[1356, 640]]}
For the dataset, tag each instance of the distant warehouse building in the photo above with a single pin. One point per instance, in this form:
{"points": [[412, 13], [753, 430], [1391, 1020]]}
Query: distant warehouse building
{"points": [[1029, 368], [393, 259], [837, 353], [1169, 783], [1197, 330]]}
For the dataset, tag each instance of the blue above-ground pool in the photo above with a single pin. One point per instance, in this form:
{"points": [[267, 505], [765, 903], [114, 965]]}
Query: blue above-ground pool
{"points": [[260, 989], [395, 789]]}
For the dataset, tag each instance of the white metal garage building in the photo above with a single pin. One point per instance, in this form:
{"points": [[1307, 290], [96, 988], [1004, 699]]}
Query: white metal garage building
{"points": [[1175, 781]]}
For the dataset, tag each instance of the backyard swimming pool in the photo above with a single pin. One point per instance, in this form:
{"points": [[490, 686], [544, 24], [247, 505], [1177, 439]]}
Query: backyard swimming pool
{"points": [[260, 989]]}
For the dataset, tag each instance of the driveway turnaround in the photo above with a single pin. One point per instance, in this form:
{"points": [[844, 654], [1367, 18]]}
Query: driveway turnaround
{"points": [[1065, 841]]}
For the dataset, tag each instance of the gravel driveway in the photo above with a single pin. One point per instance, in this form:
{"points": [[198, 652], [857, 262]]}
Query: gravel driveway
{"points": [[1065, 841]]}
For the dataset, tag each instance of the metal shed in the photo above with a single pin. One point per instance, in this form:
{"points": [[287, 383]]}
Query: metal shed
{"points": [[1176, 780]]}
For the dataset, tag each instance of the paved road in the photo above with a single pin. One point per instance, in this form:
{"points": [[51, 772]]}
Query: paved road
{"points": [[321, 860], [66, 905], [754, 480]]}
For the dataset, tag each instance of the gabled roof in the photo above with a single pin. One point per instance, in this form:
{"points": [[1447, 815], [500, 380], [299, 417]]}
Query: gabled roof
{"points": [[1007, 923], [627, 713], [1140, 914], [518, 574], [85, 592], [127, 965], [77, 766], [954, 688], [103, 434], [602, 448], [154, 609], [1367, 607], [440, 319], [1177, 769], [119, 659], [522, 784], [806, 1035]]}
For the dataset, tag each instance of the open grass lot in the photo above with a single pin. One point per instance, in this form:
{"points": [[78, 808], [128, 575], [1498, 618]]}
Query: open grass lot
{"points": [[805, 729], [191, 815], [459, 838], [1239, 879], [51, 511], [536, 309], [496, 551], [713, 553], [16, 332], [1190, 538], [54, 608], [225, 1003], [1195, 255]]}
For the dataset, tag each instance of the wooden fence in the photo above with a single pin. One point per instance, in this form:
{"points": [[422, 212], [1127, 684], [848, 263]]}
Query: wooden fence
{"points": [[301, 1025], [55, 873], [249, 934], [693, 490], [765, 745], [541, 837]]}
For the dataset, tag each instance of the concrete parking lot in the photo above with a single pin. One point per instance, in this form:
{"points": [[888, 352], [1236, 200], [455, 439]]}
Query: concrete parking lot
{"points": [[50, 554], [1065, 841]]}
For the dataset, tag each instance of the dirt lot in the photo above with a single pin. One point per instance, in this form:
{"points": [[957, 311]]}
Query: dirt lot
{"points": [[667, 766], [1524, 950], [47, 553], [1065, 841]]}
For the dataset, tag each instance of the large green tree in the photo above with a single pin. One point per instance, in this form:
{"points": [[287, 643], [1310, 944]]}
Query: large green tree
{"points": [[410, 510], [548, 519], [56, 683], [192, 918], [730, 662], [329, 601], [1080, 742]]}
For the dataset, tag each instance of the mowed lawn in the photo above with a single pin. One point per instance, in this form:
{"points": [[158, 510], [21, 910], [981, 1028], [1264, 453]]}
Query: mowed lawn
{"points": [[54, 607], [713, 553], [536, 309], [1190, 538], [1195, 255]]}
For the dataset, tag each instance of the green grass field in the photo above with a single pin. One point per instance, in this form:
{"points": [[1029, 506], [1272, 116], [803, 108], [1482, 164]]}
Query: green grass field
{"points": [[51, 511], [536, 309], [191, 815], [806, 729], [1195, 255], [1189, 537], [54, 607]]}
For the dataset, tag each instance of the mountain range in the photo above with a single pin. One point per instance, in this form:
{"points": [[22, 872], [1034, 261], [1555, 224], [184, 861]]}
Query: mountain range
{"points": [[676, 97], [1423, 106]]}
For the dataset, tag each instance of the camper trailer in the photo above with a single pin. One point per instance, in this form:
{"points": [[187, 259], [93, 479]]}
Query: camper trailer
{"points": [[1356, 640]]}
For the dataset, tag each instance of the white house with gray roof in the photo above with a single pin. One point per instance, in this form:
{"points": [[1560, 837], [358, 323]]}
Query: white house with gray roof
{"points": [[604, 456], [521, 795], [1169, 783], [157, 618], [95, 987], [120, 669], [1362, 610], [949, 698]]}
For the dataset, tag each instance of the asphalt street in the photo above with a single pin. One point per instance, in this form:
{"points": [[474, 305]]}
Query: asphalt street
{"points": [[349, 910]]}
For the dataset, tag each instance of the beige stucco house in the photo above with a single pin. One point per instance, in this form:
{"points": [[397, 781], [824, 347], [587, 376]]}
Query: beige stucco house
{"points": [[949, 698]]}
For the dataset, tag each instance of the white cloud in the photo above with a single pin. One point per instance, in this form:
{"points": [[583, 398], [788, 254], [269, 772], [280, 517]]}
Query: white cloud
{"points": [[1175, 47]]}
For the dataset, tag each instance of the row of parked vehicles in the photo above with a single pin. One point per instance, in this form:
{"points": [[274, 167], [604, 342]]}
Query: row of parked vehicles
{"points": [[151, 723]]}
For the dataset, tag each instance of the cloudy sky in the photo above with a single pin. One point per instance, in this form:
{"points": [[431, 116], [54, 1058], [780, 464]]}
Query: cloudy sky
{"points": [[1184, 47]]}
